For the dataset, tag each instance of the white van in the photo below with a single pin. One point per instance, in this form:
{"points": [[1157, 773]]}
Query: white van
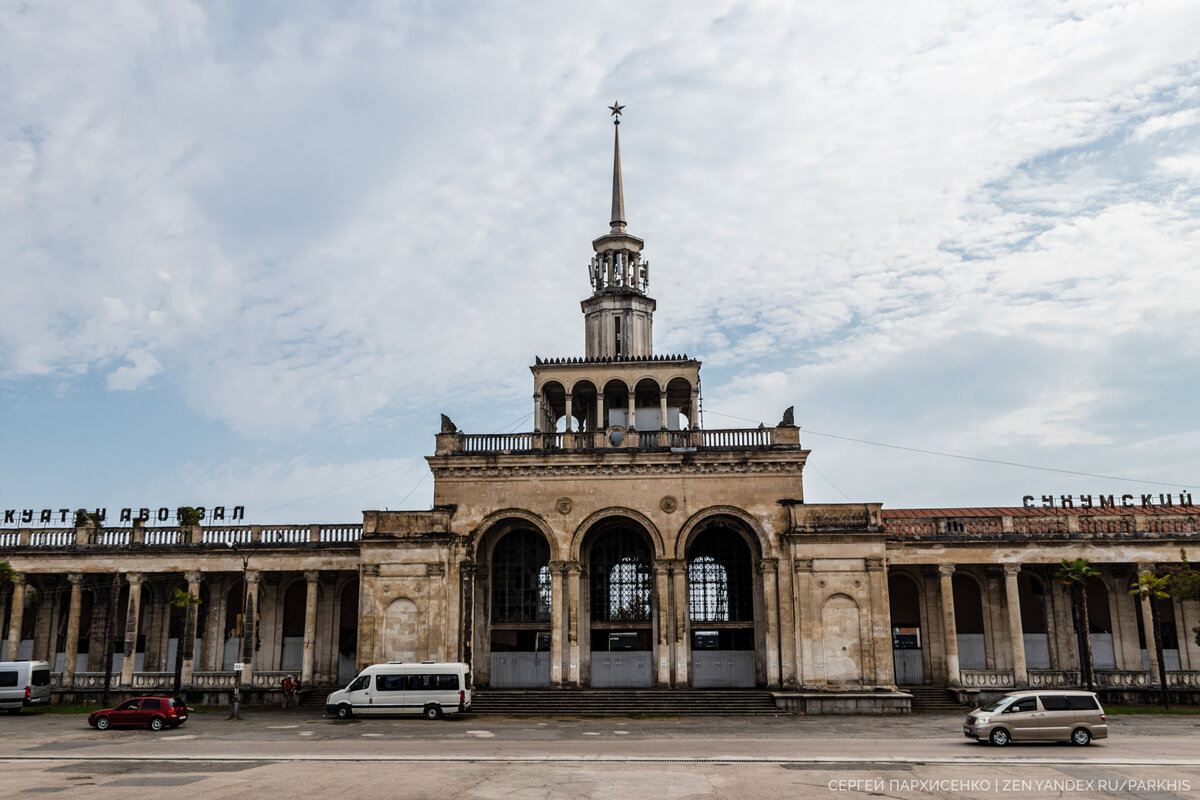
{"points": [[428, 688], [24, 683]]}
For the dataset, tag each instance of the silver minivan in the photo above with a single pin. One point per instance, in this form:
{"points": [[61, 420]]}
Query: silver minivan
{"points": [[1039, 715], [23, 684]]}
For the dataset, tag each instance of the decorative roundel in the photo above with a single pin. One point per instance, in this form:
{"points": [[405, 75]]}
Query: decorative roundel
{"points": [[668, 504], [616, 436], [564, 505]]}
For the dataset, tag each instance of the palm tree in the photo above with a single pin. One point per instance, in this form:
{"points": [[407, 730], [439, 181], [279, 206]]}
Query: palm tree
{"points": [[7, 573], [186, 602], [1075, 575], [1149, 585]]}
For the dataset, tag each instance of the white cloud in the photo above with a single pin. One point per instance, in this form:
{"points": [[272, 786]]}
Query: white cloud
{"points": [[330, 215], [142, 367]]}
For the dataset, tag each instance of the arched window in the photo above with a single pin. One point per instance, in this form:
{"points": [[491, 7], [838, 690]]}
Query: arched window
{"points": [[521, 578], [720, 578], [621, 579]]}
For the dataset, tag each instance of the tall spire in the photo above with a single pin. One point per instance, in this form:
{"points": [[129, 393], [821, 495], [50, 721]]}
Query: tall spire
{"points": [[618, 192]]}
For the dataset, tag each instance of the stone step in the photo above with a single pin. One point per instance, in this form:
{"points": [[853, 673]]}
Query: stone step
{"points": [[622, 701]]}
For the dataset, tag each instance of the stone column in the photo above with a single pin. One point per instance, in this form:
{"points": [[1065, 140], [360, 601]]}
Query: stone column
{"points": [[949, 626], [557, 602], [694, 410], [537, 412], [570, 420], [768, 568], [16, 616], [311, 576], [250, 625], [631, 420], [72, 645], [683, 650], [212, 640], [881, 632], [132, 609], [367, 616], [573, 620], [662, 602], [186, 648], [662, 406], [1148, 628], [788, 656], [1016, 633]]}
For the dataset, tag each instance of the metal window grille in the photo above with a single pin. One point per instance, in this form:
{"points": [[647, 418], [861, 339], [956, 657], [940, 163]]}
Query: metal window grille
{"points": [[720, 578], [521, 578], [621, 579]]}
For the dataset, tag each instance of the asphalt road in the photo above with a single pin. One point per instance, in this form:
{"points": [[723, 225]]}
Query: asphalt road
{"points": [[275, 754]]}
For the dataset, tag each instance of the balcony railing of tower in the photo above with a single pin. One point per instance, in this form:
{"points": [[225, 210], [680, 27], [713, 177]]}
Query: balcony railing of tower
{"points": [[1154, 522], [539, 361], [196, 537], [663, 441]]}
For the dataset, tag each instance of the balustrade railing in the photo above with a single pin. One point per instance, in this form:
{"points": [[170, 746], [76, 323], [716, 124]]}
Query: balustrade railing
{"points": [[179, 537], [1121, 678], [109, 537], [52, 538], [721, 439], [95, 680], [340, 533], [985, 678], [213, 680], [237, 535], [1059, 678], [268, 680], [910, 526], [1183, 679], [153, 680], [162, 536]]}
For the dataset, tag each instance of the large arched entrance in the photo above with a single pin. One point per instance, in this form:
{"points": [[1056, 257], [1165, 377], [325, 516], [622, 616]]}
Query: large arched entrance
{"points": [[720, 576], [1100, 626], [520, 610], [619, 564]]}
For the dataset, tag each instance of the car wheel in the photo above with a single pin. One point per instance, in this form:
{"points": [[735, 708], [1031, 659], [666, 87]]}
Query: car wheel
{"points": [[433, 711], [344, 712], [1080, 736], [156, 724], [999, 737], [102, 723]]}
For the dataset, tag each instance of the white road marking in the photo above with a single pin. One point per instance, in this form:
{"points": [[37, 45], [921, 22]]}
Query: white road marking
{"points": [[481, 734], [281, 727]]}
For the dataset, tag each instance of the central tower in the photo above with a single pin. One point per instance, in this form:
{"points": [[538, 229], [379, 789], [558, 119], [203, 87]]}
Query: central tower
{"points": [[618, 317]]}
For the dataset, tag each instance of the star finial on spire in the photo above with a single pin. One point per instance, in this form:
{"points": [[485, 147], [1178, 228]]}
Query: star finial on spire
{"points": [[616, 112]]}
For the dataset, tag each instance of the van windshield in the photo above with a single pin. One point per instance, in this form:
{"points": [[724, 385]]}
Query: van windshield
{"points": [[996, 704]]}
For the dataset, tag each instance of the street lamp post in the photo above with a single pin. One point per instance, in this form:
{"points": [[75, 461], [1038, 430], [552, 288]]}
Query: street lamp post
{"points": [[237, 675]]}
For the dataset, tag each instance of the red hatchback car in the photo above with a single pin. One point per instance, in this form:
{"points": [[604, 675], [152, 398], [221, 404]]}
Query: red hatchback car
{"points": [[155, 713]]}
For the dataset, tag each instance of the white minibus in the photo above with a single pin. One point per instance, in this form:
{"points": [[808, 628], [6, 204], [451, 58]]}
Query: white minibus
{"points": [[24, 684], [428, 688]]}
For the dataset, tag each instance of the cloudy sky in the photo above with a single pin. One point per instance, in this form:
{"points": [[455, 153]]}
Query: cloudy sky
{"points": [[250, 251]]}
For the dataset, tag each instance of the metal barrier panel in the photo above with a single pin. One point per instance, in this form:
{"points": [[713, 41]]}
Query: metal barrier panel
{"points": [[625, 670], [1037, 650], [1103, 654], [972, 652], [910, 667], [347, 668], [290, 660], [717, 668], [515, 670]]}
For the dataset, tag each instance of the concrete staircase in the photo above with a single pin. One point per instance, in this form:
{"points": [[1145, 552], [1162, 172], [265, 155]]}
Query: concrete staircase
{"points": [[599, 702], [933, 700]]}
